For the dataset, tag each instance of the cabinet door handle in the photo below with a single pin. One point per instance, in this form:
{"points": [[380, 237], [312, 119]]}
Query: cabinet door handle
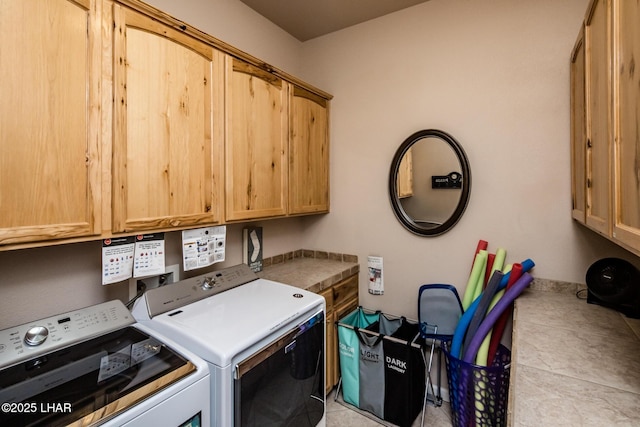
{"points": [[589, 145], [588, 183]]}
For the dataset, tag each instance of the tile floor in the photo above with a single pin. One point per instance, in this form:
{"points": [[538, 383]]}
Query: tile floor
{"points": [[339, 415]]}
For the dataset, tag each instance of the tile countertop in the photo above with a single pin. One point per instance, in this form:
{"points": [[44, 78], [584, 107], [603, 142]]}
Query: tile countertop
{"points": [[310, 270], [573, 363]]}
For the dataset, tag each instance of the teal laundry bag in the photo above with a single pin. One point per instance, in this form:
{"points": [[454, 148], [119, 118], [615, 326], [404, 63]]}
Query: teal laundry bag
{"points": [[349, 352]]}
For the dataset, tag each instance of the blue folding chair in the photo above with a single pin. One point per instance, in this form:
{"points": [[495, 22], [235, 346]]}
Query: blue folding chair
{"points": [[439, 310]]}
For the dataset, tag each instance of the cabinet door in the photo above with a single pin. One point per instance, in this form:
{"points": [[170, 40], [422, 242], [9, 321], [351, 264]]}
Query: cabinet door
{"points": [[49, 120], [330, 340], [627, 102], [163, 147], [308, 153], [578, 132], [405, 175], [256, 142], [597, 39]]}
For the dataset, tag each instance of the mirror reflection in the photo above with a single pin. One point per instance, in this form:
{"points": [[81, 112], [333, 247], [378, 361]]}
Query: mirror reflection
{"points": [[429, 182]]}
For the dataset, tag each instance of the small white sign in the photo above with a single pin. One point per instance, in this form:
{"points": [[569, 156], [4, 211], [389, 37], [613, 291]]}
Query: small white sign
{"points": [[376, 279]]}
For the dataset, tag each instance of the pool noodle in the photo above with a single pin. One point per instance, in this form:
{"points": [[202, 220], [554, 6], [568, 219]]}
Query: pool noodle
{"points": [[479, 287], [463, 323], [478, 268], [499, 327], [483, 351], [481, 310], [487, 274], [498, 263], [482, 245], [509, 296]]}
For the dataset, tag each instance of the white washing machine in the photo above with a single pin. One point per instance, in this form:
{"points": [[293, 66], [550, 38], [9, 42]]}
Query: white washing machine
{"points": [[264, 342], [95, 366]]}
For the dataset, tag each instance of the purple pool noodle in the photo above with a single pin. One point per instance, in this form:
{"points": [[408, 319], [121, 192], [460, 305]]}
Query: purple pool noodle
{"points": [[463, 323], [483, 306], [494, 315]]}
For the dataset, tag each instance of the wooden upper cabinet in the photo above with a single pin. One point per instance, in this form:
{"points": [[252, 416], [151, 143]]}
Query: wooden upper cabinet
{"points": [[49, 120], [626, 227], [405, 175], [599, 135], [164, 151], [578, 131], [256, 142], [308, 153]]}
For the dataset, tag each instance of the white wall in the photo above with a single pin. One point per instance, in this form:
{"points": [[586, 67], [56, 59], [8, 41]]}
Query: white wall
{"points": [[494, 74], [235, 23]]}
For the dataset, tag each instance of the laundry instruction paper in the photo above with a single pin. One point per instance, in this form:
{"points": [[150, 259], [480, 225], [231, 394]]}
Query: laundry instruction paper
{"points": [[376, 279], [117, 259], [203, 246]]}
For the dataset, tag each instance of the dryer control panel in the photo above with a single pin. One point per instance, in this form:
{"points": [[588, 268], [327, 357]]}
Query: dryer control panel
{"points": [[170, 297], [45, 335]]}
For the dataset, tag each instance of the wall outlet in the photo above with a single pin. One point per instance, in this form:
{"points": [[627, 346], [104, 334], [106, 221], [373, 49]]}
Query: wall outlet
{"points": [[171, 275]]}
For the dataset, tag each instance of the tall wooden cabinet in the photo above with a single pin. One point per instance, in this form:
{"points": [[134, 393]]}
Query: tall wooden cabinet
{"points": [[164, 155], [256, 142], [626, 88], [578, 131], [599, 136], [611, 115], [49, 120]]}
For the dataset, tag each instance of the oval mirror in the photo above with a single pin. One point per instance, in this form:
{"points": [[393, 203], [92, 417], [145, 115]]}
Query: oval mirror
{"points": [[429, 182]]}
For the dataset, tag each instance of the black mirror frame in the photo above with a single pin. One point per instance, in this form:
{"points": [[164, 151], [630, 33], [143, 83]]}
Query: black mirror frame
{"points": [[399, 211]]}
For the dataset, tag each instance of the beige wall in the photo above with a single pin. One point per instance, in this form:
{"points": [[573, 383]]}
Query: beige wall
{"points": [[493, 73]]}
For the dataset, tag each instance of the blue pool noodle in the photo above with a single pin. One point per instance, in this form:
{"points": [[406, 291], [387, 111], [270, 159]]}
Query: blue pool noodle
{"points": [[486, 325], [463, 323]]}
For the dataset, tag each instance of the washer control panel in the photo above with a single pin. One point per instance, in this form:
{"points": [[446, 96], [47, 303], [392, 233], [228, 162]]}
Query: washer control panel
{"points": [[46, 335], [165, 298]]}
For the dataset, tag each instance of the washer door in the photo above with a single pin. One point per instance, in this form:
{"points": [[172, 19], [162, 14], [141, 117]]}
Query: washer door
{"points": [[97, 379]]}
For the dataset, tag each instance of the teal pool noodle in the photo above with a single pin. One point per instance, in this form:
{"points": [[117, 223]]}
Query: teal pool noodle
{"points": [[478, 270], [486, 325], [483, 306], [463, 323]]}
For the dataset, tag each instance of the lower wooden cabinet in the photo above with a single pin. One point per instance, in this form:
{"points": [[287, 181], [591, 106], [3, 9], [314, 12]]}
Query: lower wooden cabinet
{"points": [[342, 298]]}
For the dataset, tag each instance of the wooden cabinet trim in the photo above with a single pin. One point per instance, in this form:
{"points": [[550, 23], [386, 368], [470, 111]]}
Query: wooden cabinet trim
{"points": [[219, 44], [303, 93], [244, 67]]}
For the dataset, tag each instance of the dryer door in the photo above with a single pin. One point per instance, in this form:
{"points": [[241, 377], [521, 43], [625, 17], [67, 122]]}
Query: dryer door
{"points": [[283, 383]]}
